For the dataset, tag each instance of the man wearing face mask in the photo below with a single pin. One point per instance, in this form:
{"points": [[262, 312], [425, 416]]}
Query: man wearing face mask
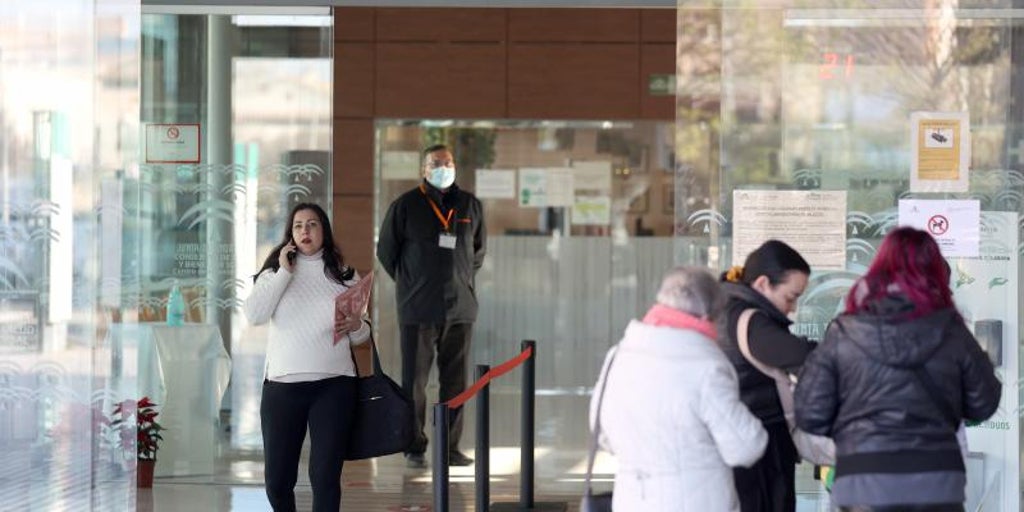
{"points": [[432, 244]]}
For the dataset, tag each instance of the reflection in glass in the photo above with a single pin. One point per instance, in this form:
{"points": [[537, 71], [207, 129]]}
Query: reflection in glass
{"points": [[57, 149]]}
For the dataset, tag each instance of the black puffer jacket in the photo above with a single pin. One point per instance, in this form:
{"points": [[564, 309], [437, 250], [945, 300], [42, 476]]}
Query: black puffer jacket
{"points": [[860, 388]]}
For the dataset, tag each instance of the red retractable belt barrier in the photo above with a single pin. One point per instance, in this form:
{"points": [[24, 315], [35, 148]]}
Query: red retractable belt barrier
{"points": [[494, 373]]}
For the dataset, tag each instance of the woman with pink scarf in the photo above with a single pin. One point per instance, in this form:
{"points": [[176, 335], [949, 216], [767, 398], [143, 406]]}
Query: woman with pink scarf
{"points": [[671, 412]]}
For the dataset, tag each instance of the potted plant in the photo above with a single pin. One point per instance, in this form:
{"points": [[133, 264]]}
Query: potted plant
{"points": [[147, 438]]}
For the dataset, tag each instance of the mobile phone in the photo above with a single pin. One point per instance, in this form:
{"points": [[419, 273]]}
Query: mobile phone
{"points": [[291, 254]]}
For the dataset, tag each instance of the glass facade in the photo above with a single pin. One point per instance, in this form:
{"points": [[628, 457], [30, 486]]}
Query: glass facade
{"points": [[142, 152], [815, 104], [68, 132]]}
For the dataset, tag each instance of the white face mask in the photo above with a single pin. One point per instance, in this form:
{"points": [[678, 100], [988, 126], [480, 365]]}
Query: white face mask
{"points": [[441, 177]]}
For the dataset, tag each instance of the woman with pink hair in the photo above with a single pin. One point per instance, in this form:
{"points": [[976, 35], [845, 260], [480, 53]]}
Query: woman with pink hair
{"points": [[891, 383]]}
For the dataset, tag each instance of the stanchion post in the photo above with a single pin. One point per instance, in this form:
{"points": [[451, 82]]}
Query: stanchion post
{"points": [[526, 455], [440, 457], [526, 502], [483, 442]]}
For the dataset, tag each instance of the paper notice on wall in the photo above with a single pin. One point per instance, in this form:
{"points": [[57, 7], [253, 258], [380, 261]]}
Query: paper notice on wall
{"points": [[533, 188], [545, 187], [592, 211], [955, 224], [592, 176], [400, 165], [812, 222], [941, 157], [172, 144], [495, 184], [561, 188]]}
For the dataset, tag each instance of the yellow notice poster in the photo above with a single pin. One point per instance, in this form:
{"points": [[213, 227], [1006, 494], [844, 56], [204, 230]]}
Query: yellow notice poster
{"points": [[942, 151]]}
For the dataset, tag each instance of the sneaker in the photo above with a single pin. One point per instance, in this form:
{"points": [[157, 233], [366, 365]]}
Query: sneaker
{"points": [[415, 461], [457, 458]]}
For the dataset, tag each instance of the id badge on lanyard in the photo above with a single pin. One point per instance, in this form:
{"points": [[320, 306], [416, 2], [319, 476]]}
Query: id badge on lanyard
{"points": [[447, 239]]}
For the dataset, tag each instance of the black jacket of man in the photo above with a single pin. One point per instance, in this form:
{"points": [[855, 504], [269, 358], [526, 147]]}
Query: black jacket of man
{"points": [[434, 284]]}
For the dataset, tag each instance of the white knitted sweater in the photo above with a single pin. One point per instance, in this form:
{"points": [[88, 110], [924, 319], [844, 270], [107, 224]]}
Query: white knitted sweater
{"points": [[300, 307]]}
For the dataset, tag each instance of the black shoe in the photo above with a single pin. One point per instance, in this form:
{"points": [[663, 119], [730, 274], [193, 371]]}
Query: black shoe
{"points": [[415, 461], [457, 458]]}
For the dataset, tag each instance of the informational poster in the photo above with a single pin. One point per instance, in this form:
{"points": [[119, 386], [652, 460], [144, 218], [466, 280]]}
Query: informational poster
{"points": [[495, 184], [172, 144], [985, 290], [955, 224], [941, 151], [561, 186], [593, 176], [811, 221], [593, 210], [400, 165], [533, 188], [545, 187]]}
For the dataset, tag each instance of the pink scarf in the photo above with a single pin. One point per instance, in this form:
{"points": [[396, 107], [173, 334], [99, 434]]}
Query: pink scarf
{"points": [[664, 316]]}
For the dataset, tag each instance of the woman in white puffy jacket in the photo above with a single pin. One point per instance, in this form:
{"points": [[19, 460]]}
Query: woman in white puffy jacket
{"points": [[671, 412]]}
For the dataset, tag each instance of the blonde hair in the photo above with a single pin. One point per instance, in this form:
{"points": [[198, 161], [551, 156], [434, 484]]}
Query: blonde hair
{"points": [[734, 274]]}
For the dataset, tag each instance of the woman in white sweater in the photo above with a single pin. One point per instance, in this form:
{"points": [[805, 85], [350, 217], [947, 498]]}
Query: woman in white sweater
{"points": [[309, 381], [671, 411]]}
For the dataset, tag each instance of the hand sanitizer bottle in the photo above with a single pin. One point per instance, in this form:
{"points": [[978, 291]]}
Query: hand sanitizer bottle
{"points": [[175, 307]]}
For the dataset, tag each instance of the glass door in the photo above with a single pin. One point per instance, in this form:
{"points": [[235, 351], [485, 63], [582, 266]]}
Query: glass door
{"points": [[814, 100], [68, 118], [236, 111]]}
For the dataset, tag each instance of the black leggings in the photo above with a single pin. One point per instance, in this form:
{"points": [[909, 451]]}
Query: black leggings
{"points": [[326, 406]]}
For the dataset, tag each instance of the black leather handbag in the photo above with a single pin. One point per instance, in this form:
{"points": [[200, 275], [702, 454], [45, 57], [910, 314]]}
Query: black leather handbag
{"points": [[383, 422]]}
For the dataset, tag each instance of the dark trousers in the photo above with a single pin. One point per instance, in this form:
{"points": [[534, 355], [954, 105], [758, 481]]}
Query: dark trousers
{"points": [[419, 341], [770, 484], [326, 407]]}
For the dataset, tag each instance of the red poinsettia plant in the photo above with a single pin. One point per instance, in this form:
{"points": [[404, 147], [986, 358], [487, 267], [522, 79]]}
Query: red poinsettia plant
{"points": [[148, 430]]}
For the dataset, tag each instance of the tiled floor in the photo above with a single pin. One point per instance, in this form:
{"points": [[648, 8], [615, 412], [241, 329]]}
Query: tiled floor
{"points": [[386, 485]]}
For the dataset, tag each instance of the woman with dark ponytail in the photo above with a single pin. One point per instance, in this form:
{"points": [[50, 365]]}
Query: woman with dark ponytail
{"points": [[770, 281]]}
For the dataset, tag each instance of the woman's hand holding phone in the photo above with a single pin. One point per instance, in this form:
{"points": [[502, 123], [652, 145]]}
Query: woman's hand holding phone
{"points": [[287, 257]]}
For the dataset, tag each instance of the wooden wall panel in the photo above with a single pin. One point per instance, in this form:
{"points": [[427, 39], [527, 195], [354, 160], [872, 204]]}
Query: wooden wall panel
{"points": [[656, 59], [353, 24], [353, 157], [441, 80], [574, 81], [427, 25], [574, 25], [658, 26], [353, 230], [482, 64], [353, 80]]}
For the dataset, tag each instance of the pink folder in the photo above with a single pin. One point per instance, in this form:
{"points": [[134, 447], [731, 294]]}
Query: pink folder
{"points": [[352, 301]]}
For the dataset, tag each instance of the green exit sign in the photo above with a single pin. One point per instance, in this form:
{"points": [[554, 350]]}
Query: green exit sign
{"points": [[661, 85]]}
